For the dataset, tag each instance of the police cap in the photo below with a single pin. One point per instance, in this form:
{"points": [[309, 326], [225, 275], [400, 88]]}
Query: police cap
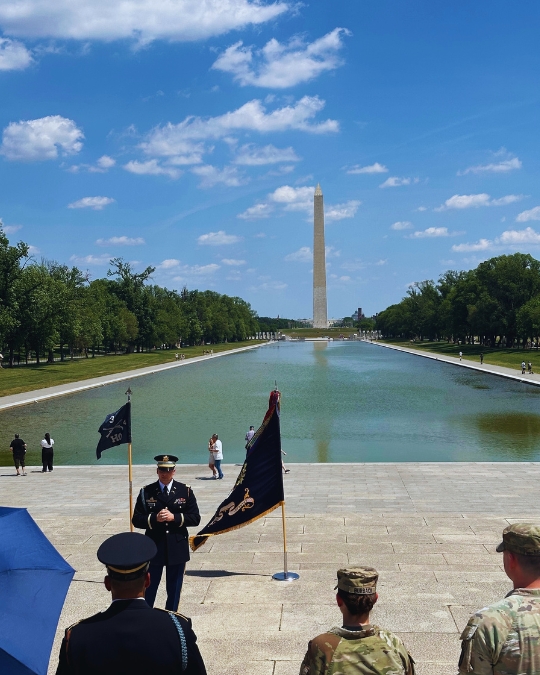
{"points": [[358, 580], [127, 555], [166, 461], [521, 538]]}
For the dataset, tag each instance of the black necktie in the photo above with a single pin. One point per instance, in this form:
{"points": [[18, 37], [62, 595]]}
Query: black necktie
{"points": [[165, 491]]}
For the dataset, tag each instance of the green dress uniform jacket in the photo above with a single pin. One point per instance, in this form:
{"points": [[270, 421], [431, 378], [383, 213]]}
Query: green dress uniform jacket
{"points": [[170, 538], [131, 638], [370, 651], [504, 638]]}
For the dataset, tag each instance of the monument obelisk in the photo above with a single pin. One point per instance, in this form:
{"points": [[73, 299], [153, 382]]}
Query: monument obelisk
{"points": [[320, 311]]}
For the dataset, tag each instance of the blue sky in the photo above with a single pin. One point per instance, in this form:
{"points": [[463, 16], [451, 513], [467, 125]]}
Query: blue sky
{"points": [[189, 135]]}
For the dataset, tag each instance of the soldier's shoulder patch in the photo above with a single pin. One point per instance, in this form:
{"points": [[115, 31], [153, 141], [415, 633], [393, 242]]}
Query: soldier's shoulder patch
{"points": [[470, 629]]}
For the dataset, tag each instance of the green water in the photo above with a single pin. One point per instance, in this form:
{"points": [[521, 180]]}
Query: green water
{"points": [[342, 402]]}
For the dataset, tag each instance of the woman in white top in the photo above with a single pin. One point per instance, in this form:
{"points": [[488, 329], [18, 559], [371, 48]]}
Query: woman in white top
{"points": [[47, 453], [217, 451]]}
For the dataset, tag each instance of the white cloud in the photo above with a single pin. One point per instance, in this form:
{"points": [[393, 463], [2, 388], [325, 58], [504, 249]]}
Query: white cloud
{"points": [[178, 139], [294, 198], [430, 232], [256, 212], [421, 208], [14, 55], [474, 201], [531, 214], [142, 20], [232, 262], [341, 211], [498, 167], [9, 229], [91, 259], [121, 241], [372, 168], [395, 181], [40, 139], [401, 225], [270, 286], [279, 65], [219, 238], [103, 164], [96, 203], [168, 264], [251, 155], [335, 277], [33, 250], [210, 176], [380, 263], [526, 236], [185, 272], [151, 168], [303, 254]]}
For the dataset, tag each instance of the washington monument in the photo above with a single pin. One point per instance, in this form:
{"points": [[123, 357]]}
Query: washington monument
{"points": [[320, 310]]}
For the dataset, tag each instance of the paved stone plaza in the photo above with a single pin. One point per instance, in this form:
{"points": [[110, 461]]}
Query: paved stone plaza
{"points": [[430, 529]]}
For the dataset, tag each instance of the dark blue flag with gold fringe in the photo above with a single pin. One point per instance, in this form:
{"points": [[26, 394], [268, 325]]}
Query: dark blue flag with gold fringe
{"points": [[259, 487], [115, 430]]}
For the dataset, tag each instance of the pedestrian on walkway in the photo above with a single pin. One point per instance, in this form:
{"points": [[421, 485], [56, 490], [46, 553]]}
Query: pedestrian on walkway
{"points": [[18, 448], [481, 358], [460, 355], [250, 434], [47, 453], [529, 368], [217, 450], [211, 463], [523, 367]]}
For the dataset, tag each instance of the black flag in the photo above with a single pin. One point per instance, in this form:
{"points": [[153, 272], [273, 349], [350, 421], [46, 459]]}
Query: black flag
{"points": [[115, 430], [259, 487]]}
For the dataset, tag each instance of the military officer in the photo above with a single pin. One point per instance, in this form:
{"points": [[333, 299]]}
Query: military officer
{"points": [[165, 509], [358, 647], [505, 637], [130, 638]]}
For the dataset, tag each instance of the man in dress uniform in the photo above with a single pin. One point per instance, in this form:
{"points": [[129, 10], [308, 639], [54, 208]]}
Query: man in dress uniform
{"points": [[130, 638], [358, 647], [504, 638], [165, 509]]}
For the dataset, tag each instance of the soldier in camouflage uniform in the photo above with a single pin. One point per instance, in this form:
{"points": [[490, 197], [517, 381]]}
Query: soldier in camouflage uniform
{"points": [[358, 647], [504, 638]]}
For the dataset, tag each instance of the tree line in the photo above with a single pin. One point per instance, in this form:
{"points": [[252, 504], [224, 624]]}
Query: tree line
{"points": [[47, 307], [498, 303]]}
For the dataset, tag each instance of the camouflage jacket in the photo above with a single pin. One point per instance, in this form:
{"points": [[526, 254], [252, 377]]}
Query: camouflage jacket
{"points": [[370, 651], [504, 638]]}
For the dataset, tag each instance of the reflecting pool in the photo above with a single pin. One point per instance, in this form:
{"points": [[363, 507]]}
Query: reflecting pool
{"points": [[342, 402]]}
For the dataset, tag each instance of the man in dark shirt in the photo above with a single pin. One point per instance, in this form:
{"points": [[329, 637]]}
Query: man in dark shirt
{"points": [[18, 448], [130, 638]]}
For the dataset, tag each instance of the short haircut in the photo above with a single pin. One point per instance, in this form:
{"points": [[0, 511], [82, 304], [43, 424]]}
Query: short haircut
{"points": [[133, 586], [16, 435], [529, 563], [357, 604]]}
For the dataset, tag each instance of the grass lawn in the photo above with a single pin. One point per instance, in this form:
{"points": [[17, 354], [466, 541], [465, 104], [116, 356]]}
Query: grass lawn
{"points": [[511, 358], [28, 378]]}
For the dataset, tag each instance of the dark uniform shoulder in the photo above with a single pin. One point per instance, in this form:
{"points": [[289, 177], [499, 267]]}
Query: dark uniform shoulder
{"points": [[176, 614]]}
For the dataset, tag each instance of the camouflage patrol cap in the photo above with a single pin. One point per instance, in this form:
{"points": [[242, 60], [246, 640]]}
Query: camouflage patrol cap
{"points": [[521, 538], [358, 580]]}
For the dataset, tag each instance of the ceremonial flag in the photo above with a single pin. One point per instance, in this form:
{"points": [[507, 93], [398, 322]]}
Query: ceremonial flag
{"points": [[259, 487], [115, 430]]}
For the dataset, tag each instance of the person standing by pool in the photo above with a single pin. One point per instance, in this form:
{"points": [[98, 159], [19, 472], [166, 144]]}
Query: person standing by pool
{"points": [[18, 448], [250, 434], [217, 450], [523, 367], [47, 453], [481, 358], [211, 464]]}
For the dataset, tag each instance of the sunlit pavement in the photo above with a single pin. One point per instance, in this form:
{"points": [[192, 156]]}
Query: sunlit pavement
{"points": [[430, 530]]}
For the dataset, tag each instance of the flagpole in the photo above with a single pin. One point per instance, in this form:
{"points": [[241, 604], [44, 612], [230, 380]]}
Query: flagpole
{"points": [[130, 471], [285, 575]]}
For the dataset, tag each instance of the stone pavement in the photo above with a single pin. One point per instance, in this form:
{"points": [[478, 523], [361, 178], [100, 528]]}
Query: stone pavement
{"points": [[28, 397], [430, 530], [501, 371]]}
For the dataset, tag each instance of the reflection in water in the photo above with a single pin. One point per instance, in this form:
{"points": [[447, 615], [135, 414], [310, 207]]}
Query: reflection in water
{"points": [[322, 420], [513, 432]]}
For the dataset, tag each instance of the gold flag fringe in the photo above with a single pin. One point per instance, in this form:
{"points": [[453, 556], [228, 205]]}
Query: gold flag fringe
{"points": [[230, 529]]}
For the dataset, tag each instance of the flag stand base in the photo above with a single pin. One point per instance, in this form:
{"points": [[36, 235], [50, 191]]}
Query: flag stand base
{"points": [[285, 576]]}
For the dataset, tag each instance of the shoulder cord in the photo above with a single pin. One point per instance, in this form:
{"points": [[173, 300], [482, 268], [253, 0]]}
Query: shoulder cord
{"points": [[183, 643], [143, 500]]}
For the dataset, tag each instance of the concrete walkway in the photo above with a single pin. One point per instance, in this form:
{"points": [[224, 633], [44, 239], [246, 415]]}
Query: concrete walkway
{"points": [[430, 530], [501, 371], [73, 387]]}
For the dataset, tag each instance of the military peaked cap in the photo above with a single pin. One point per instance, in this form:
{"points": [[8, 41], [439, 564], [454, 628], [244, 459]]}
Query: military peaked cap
{"points": [[127, 555], [166, 461]]}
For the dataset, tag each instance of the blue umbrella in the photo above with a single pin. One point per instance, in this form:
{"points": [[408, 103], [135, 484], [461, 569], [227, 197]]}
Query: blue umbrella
{"points": [[34, 580]]}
